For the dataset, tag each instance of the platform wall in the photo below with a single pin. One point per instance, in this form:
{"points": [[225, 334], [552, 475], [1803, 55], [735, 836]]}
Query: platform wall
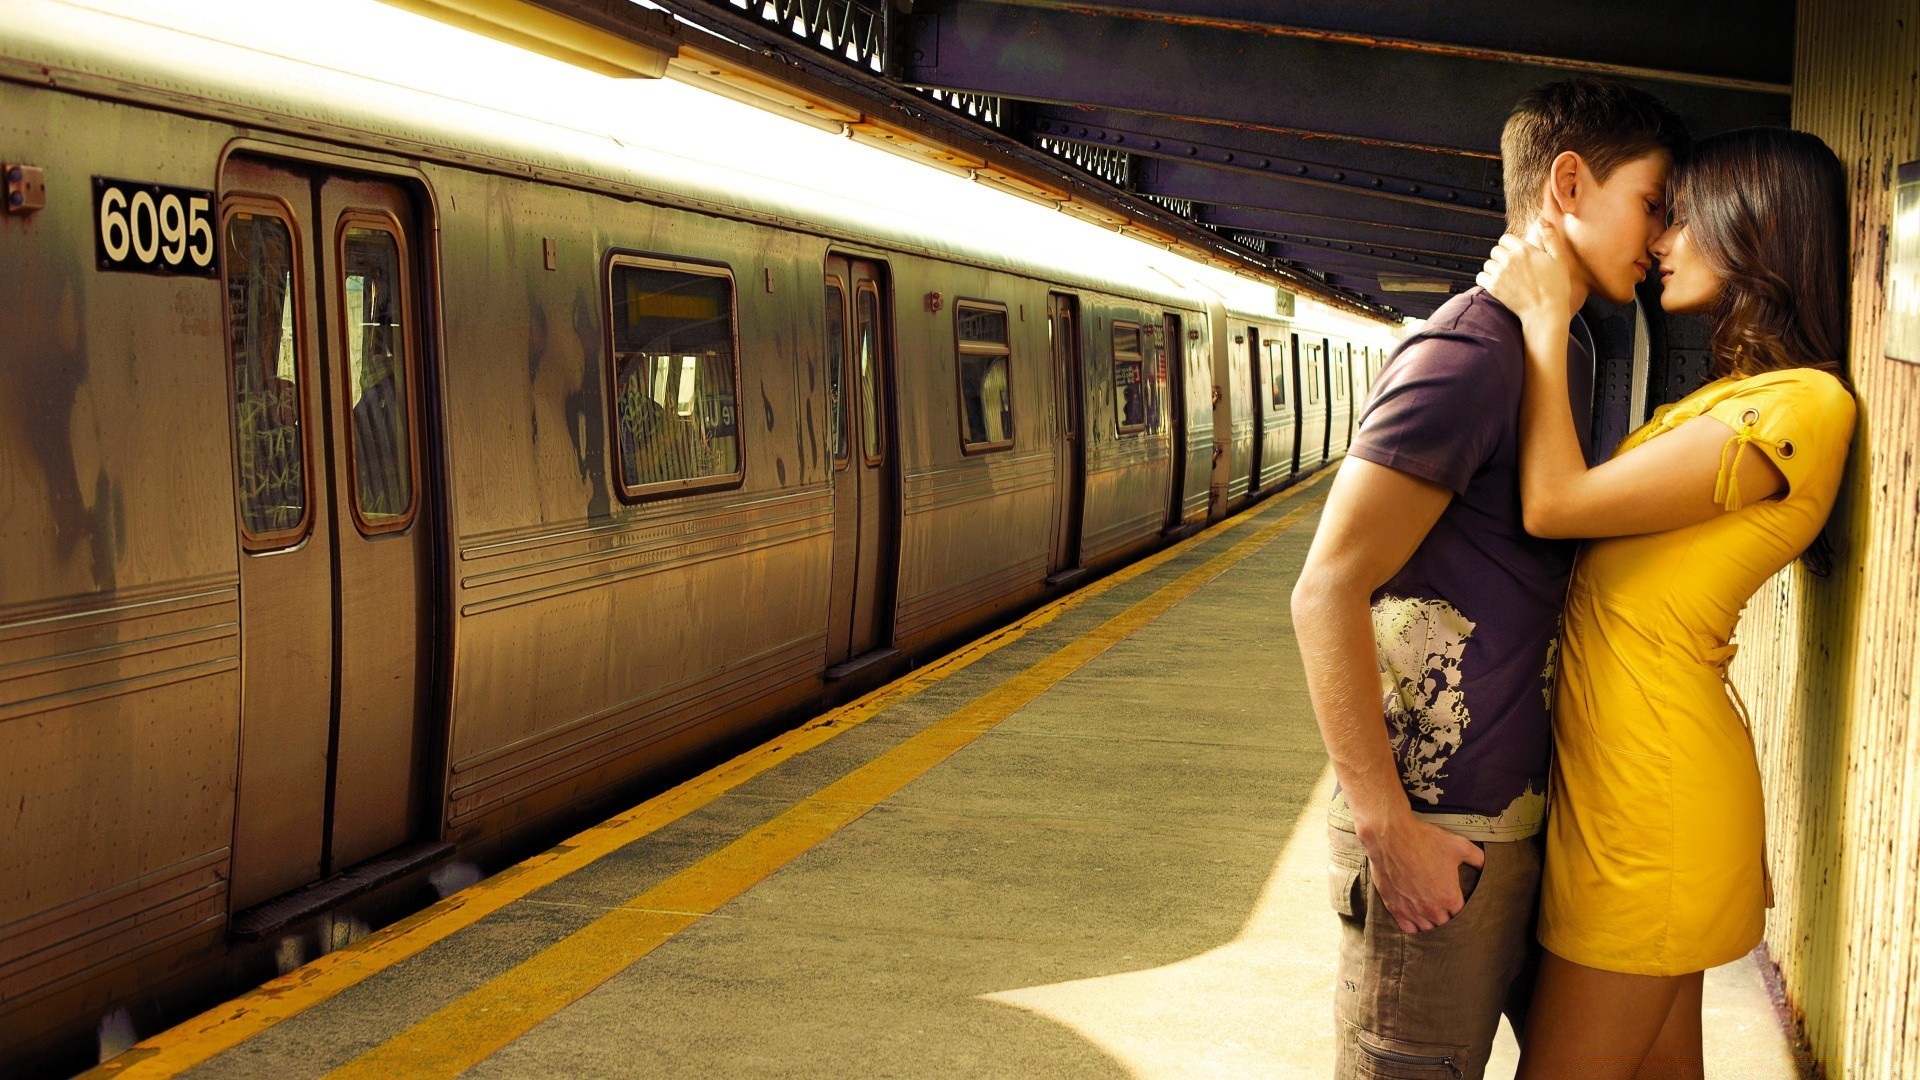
{"points": [[1829, 666]]}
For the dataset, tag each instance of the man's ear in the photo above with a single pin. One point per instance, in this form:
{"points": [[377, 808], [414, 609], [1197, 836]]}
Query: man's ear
{"points": [[1563, 183]]}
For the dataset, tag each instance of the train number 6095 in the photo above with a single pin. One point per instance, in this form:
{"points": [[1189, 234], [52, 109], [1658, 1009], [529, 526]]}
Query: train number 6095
{"points": [[152, 229]]}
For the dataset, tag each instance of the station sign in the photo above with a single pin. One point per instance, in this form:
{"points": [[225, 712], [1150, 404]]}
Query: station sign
{"points": [[153, 229]]}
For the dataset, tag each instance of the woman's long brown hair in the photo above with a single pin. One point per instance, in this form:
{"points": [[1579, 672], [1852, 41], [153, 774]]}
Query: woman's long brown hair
{"points": [[1767, 208]]}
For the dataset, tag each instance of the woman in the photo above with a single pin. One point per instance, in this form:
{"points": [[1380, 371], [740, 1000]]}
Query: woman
{"points": [[1655, 865]]}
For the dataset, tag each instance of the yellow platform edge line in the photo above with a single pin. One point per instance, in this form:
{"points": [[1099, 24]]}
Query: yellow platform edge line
{"points": [[471, 1028], [231, 1023]]}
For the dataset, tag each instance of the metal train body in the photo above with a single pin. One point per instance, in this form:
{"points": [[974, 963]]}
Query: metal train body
{"points": [[476, 600]]}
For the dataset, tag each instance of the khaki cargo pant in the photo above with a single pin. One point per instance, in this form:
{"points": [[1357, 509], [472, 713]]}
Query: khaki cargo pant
{"points": [[1427, 1005]]}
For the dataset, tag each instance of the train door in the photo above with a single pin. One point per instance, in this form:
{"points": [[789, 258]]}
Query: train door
{"points": [[1285, 445], [1070, 461], [327, 355], [1340, 397], [1220, 493], [1369, 372], [1299, 403], [1326, 383], [1366, 386], [1355, 360], [1173, 357], [1311, 356], [860, 392], [1259, 408]]}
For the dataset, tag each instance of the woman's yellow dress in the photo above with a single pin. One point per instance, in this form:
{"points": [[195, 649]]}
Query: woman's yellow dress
{"points": [[1656, 834]]}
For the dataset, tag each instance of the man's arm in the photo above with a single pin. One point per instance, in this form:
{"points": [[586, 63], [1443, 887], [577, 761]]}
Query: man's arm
{"points": [[1374, 520]]}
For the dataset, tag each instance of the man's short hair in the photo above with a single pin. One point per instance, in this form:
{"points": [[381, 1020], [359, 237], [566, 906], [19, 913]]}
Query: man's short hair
{"points": [[1606, 122]]}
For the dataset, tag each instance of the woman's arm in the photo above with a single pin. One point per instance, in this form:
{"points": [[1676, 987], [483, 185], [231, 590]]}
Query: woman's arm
{"points": [[1662, 484]]}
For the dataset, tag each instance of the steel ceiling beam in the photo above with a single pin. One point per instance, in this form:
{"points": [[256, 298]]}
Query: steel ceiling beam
{"points": [[1283, 225], [1752, 39], [1417, 176], [1202, 184], [1405, 97], [1331, 253]]}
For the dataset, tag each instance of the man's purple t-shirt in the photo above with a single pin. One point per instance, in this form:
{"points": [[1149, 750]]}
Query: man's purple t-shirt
{"points": [[1468, 629]]}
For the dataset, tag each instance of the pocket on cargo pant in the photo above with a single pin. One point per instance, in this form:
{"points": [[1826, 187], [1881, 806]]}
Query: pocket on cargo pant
{"points": [[1348, 879], [1382, 1058]]}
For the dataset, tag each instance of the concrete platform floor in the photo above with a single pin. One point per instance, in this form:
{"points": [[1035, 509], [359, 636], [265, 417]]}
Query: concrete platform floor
{"points": [[1092, 844]]}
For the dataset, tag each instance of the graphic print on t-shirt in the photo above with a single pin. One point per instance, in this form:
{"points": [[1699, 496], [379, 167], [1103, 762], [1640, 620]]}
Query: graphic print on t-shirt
{"points": [[1421, 644]]}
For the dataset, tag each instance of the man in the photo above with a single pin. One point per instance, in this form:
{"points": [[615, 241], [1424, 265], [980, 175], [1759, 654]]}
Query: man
{"points": [[1423, 576]]}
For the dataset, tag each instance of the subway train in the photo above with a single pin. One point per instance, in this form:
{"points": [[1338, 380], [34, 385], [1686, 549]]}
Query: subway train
{"points": [[412, 446]]}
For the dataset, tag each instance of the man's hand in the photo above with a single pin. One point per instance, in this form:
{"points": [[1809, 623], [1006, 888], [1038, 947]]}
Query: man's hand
{"points": [[1416, 869]]}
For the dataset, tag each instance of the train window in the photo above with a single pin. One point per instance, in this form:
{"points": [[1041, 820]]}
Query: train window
{"points": [[1314, 354], [1345, 373], [985, 362], [1129, 378], [265, 351], [867, 346], [836, 371], [373, 283], [675, 378], [1277, 372]]}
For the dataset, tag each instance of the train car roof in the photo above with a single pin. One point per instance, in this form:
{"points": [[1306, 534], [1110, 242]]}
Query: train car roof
{"points": [[359, 72]]}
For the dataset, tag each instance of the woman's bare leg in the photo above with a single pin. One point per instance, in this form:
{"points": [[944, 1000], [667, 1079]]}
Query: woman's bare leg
{"points": [[1591, 1024], [1676, 1054]]}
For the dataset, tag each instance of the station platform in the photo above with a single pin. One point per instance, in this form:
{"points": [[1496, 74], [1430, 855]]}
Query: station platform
{"points": [[1091, 843]]}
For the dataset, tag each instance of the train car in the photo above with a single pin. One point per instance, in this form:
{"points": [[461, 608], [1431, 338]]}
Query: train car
{"points": [[401, 465]]}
